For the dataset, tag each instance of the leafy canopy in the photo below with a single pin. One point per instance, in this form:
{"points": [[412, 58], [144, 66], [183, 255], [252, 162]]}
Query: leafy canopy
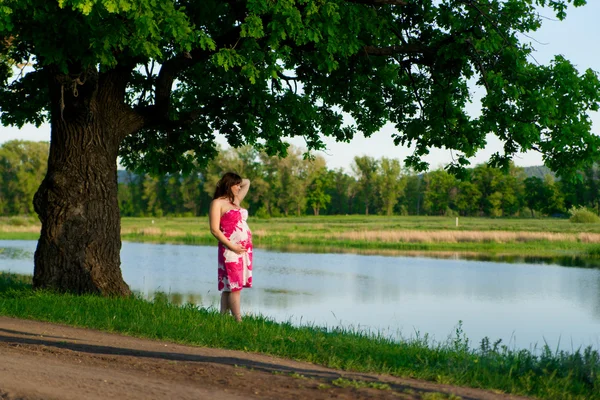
{"points": [[261, 70]]}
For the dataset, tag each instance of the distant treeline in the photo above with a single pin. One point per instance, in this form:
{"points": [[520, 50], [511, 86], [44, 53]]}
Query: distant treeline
{"points": [[298, 186]]}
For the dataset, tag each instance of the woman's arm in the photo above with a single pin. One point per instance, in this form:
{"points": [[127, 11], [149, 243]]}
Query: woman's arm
{"points": [[214, 220], [244, 187]]}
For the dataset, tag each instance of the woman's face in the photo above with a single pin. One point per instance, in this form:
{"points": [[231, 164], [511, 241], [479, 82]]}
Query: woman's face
{"points": [[235, 189]]}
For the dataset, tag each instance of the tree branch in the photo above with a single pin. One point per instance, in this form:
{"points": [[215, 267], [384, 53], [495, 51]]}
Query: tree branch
{"points": [[379, 2], [168, 72], [479, 65], [172, 68], [114, 82], [415, 91], [287, 80], [401, 49]]}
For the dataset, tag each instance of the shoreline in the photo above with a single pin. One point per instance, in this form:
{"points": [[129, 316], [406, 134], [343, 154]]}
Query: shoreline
{"points": [[538, 251]]}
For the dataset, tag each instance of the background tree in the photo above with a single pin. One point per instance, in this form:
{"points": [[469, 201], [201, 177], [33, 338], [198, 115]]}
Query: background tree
{"points": [[195, 201], [155, 194], [389, 183], [187, 195], [412, 202], [494, 204], [535, 194], [127, 201], [292, 173], [22, 167], [512, 188], [489, 183], [342, 192], [468, 198], [592, 187], [270, 175], [317, 196], [365, 170], [554, 203], [135, 188], [103, 74], [574, 191], [439, 185]]}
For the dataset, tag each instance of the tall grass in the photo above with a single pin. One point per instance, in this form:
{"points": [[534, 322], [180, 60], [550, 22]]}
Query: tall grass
{"points": [[547, 374], [464, 236]]}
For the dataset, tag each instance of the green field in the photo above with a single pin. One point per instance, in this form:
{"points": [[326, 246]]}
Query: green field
{"points": [[370, 234]]}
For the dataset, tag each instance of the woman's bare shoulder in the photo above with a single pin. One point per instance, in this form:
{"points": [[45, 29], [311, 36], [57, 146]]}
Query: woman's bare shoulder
{"points": [[220, 202]]}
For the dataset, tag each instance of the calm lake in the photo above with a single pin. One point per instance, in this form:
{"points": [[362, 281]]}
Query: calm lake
{"points": [[525, 305]]}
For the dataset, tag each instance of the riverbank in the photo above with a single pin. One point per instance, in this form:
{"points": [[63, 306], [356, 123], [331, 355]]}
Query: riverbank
{"points": [[547, 375], [397, 235]]}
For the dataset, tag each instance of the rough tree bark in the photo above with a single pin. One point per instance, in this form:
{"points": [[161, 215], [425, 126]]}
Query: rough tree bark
{"points": [[79, 247]]}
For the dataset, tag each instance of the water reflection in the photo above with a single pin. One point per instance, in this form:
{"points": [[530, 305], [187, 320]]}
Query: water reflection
{"points": [[564, 261], [175, 298], [285, 292], [15, 253], [521, 303]]}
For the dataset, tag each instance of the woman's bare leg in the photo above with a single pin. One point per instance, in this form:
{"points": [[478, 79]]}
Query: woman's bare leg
{"points": [[234, 304], [224, 302]]}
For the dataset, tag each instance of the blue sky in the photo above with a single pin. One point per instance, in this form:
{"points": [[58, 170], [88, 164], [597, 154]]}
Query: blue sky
{"points": [[575, 38]]}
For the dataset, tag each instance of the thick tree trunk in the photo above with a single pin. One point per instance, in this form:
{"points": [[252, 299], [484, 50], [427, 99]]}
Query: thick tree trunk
{"points": [[79, 247]]}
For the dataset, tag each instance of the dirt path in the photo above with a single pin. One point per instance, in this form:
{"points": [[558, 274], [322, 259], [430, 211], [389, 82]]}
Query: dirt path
{"points": [[48, 361]]}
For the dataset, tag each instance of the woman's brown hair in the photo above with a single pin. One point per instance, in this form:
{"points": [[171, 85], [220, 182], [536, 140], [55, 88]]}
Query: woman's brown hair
{"points": [[224, 185]]}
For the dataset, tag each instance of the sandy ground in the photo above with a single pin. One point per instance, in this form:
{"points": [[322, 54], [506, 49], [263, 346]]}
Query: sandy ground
{"points": [[48, 361]]}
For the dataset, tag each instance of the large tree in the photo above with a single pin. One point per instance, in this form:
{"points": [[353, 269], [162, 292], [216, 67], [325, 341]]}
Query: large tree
{"points": [[155, 79]]}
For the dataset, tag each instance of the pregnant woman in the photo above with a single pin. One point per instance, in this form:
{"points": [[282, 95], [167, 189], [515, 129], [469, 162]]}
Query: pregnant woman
{"points": [[228, 224]]}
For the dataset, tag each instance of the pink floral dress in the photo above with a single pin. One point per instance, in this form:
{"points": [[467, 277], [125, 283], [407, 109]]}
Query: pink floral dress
{"points": [[235, 270]]}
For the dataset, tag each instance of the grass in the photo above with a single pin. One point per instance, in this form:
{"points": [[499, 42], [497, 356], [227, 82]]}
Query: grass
{"points": [[545, 374], [357, 384], [440, 396]]}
